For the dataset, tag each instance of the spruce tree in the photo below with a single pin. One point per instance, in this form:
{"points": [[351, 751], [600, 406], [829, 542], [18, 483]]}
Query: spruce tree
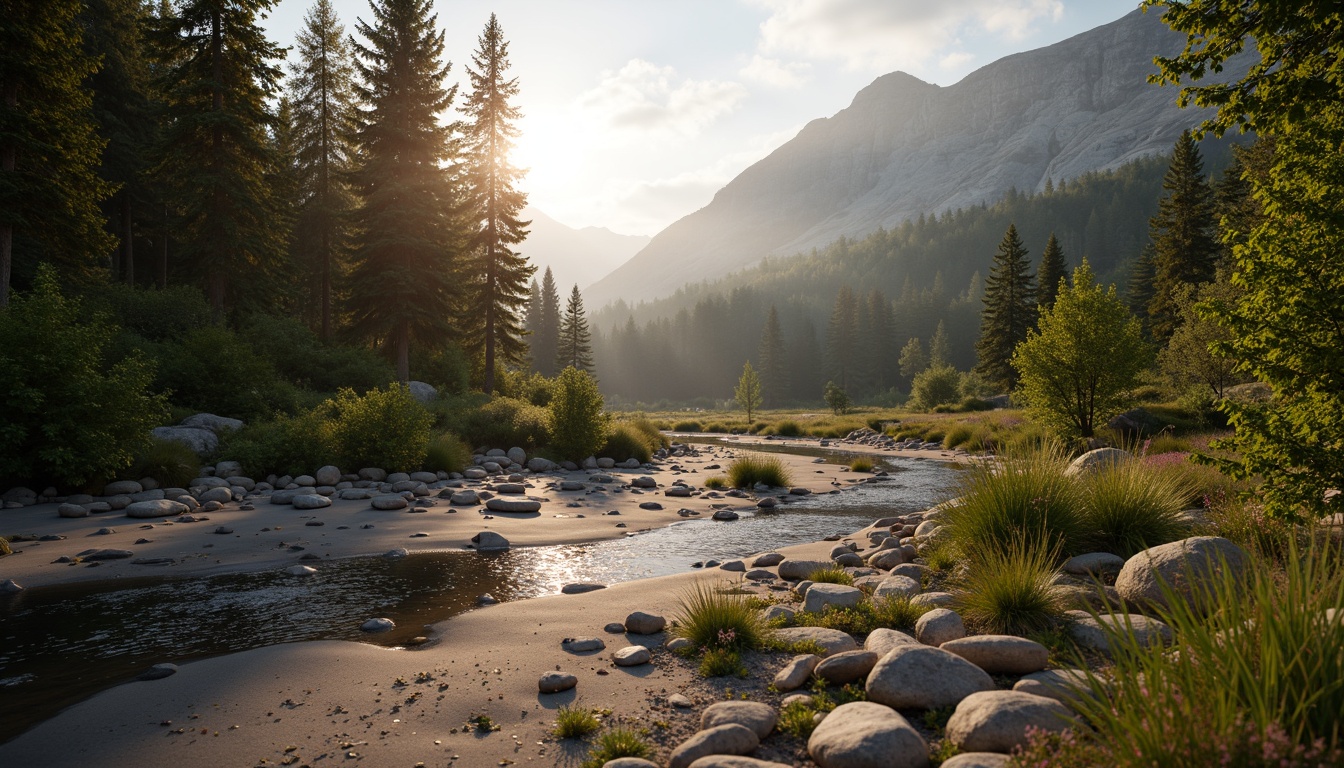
{"points": [[1053, 269], [773, 356], [940, 347], [531, 321], [913, 361], [1139, 291], [842, 338], [49, 150], [321, 94], [215, 152], [1010, 311], [575, 348], [546, 343], [409, 220], [1184, 236], [497, 276]]}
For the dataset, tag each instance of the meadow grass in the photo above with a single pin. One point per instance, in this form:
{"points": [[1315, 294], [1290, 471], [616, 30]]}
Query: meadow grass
{"points": [[1025, 494], [1129, 507], [830, 575], [1010, 590], [861, 464], [615, 743], [747, 471]]}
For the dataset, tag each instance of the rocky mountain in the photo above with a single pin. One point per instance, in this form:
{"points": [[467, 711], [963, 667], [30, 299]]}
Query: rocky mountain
{"points": [[906, 147], [581, 256]]}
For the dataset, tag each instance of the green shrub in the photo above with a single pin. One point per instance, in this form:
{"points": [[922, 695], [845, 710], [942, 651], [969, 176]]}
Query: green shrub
{"points": [[747, 471], [935, 386], [861, 465], [722, 662], [156, 315], [798, 719], [626, 442], [716, 483], [68, 413], [285, 445], [891, 613], [534, 388], [578, 425], [295, 353], [382, 428], [957, 436], [171, 463], [614, 743], [710, 618], [653, 435], [1022, 495], [831, 575], [1263, 665], [447, 369], [501, 423], [447, 453], [213, 370], [942, 557], [1128, 507], [572, 722], [716, 428], [1010, 589], [788, 428], [4, 547], [686, 426]]}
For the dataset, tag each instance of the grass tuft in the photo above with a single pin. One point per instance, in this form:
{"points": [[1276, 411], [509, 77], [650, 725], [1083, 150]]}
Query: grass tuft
{"points": [[890, 613], [861, 465], [172, 463], [747, 471], [575, 723], [722, 662], [788, 428], [1026, 492], [717, 483], [831, 575], [1010, 590], [447, 453], [1130, 507], [710, 618], [616, 743]]}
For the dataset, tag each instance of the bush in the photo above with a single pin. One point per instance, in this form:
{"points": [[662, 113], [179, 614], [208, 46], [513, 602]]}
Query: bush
{"points": [[831, 575], [285, 445], [447, 369], [747, 471], [1010, 590], [615, 743], [578, 425], [155, 315], [722, 662], [935, 386], [382, 428], [710, 618], [716, 483], [653, 435], [1128, 507], [499, 423], [295, 353], [213, 370], [686, 426], [171, 463], [535, 389], [575, 723], [68, 414], [1023, 495], [632, 440], [788, 428], [716, 428], [447, 453]]}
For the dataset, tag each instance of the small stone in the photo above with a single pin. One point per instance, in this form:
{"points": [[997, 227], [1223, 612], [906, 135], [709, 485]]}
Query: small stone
{"points": [[72, 510], [223, 530], [523, 506], [767, 560], [677, 644], [844, 668], [830, 640], [735, 566], [614, 628], [158, 672], [632, 656], [300, 570], [489, 541], [310, 501], [579, 588], [378, 625], [796, 672], [679, 701], [555, 682], [583, 644]]}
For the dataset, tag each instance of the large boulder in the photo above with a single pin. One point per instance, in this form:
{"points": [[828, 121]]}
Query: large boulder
{"points": [[796, 570], [819, 597], [844, 668], [199, 440], [730, 739], [212, 422], [939, 626], [1092, 632], [862, 734], [1063, 685], [882, 640], [896, 586], [489, 541], [922, 677], [1187, 568], [641, 623], [160, 508], [1001, 654], [760, 718], [513, 505], [997, 721], [1095, 460], [830, 640], [122, 488], [422, 392]]}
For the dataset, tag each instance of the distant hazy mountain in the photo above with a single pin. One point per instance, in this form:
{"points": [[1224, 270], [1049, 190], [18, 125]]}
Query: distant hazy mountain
{"points": [[581, 256], [906, 147]]}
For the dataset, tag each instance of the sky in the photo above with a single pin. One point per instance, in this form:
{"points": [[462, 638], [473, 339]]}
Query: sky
{"points": [[635, 112]]}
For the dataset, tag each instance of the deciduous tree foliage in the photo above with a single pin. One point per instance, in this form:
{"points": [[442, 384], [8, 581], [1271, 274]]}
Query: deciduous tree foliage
{"points": [[1010, 311], [913, 359], [748, 391], [1080, 368], [1184, 235], [1190, 360], [578, 425]]}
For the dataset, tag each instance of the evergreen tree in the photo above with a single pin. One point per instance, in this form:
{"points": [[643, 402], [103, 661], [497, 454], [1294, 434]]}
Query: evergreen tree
{"points": [[321, 93], [1184, 235], [913, 359], [875, 340], [1139, 292], [748, 391], [215, 148], [940, 348], [546, 342], [408, 221], [531, 321], [49, 150], [1010, 311], [575, 349], [1053, 269], [773, 356], [842, 338], [497, 275]]}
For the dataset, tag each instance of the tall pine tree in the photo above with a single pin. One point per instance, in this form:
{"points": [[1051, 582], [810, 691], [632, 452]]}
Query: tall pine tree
{"points": [[532, 321], [409, 220], [497, 275], [1184, 234], [1139, 291], [49, 150], [842, 338], [575, 348], [940, 347], [1010, 311], [1053, 269], [773, 357], [546, 341], [321, 93], [216, 150]]}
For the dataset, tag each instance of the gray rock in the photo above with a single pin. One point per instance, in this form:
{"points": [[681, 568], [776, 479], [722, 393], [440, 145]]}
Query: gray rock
{"points": [[583, 644], [378, 625], [300, 570], [310, 501], [396, 554], [629, 762], [510, 488], [760, 718], [934, 599], [1186, 567], [759, 574], [579, 588], [997, 721], [767, 560], [212, 422], [862, 734], [1063, 685], [555, 682], [632, 656], [923, 677], [677, 491], [730, 739], [725, 514], [389, 502], [882, 640], [819, 597], [896, 586], [641, 623], [1095, 564], [464, 498], [305, 481], [422, 392], [1096, 460], [513, 505], [1001, 654], [845, 668], [201, 441], [1093, 632], [355, 494], [538, 464], [939, 626], [644, 482], [734, 761], [72, 510], [888, 559], [373, 474], [122, 488], [157, 494], [735, 566], [830, 640], [158, 672], [109, 554], [160, 508], [489, 541], [474, 473], [797, 672], [977, 760], [327, 475], [10, 586]]}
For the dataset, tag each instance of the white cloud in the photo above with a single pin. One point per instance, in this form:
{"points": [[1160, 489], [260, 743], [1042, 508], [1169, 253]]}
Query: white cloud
{"points": [[776, 73], [891, 34], [643, 98]]}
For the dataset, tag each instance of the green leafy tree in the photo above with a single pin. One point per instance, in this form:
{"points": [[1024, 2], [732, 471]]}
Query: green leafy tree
{"points": [[1081, 367], [49, 150], [842, 337], [575, 347], [72, 415], [1190, 360], [578, 424], [748, 391], [409, 220], [497, 276], [381, 428], [1286, 327], [774, 359], [934, 386], [1010, 311], [913, 359], [1184, 235], [1053, 269], [837, 399], [322, 97], [218, 79]]}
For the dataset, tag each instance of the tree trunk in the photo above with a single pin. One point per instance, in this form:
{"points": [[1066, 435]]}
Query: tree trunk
{"points": [[7, 158], [402, 342], [127, 244]]}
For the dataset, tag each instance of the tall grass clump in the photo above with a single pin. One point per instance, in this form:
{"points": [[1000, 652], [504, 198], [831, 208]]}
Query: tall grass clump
{"points": [[172, 463], [788, 428], [686, 426], [1128, 507], [830, 575], [709, 618], [447, 453], [623, 442], [1025, 493], [861, 464], [747, 471], [1259, 680], [957, 436], [716, 483], [1010, 590], [616, 743], [575, 723]]}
